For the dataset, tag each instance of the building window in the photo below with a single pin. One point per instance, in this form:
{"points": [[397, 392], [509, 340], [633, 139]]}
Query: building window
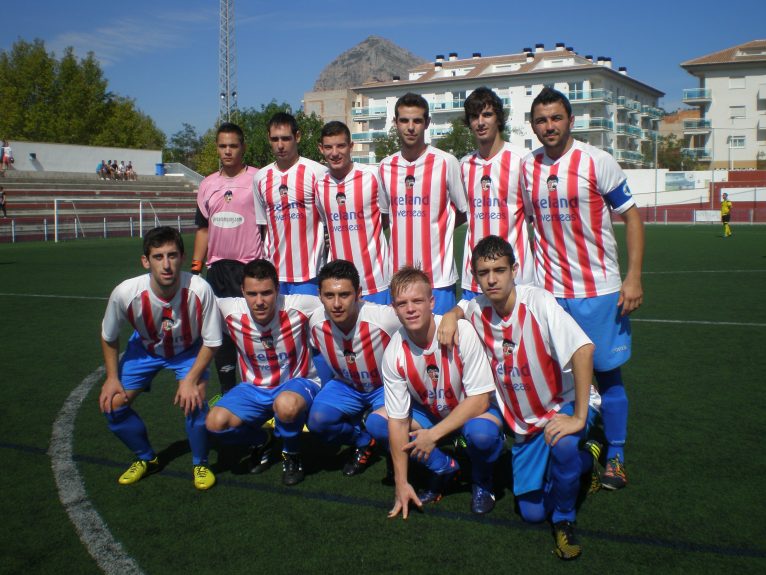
{"points": [[737, 82], [737, 141], [527, 117], [528, 144], [737, 112], [528, 90]]}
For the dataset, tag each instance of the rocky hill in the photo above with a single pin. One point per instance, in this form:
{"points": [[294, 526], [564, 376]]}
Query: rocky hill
{"points": [[374, 59]]}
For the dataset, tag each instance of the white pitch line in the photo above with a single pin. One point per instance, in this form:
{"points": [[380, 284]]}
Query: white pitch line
{"points": [[699, 322], [94, 533], [53, 296], [707, 272]]}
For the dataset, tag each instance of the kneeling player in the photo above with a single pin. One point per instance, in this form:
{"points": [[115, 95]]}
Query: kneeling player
{"points": [[543, 366], [436, 391], [177, 327], [272, 338], [351, 335]]}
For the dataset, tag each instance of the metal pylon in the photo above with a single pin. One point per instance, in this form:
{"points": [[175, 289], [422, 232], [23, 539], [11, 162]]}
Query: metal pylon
{"points": [[227, 62]]}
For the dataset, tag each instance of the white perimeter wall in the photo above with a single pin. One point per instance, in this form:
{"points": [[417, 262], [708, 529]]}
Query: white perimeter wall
{"points": [[642, 186], [71, 158]]}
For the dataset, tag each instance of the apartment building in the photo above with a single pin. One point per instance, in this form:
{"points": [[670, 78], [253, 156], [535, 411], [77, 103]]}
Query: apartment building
{"points": [[613, 110], [731, 96]]}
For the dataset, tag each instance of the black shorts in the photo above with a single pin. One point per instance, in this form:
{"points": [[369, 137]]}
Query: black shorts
{"points": [[725, 219], [225, 277]]}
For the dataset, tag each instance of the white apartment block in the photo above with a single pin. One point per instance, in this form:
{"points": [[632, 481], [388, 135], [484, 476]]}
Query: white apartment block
{"points": [[731, 96], [612, 110]]}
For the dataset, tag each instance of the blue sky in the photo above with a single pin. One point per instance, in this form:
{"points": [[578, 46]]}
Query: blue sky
{"points": [[164, 54]]}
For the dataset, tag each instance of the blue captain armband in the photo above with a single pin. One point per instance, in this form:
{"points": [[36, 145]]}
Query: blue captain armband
{"points": [[619, 196]]}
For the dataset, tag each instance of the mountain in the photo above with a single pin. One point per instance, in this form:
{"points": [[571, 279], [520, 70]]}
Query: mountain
{"points": [[372, 59]]}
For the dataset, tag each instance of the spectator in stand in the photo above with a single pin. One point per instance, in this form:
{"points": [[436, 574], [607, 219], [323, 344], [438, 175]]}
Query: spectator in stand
{"points": [[121, 171], [7, 155], [2, 155], [2, 202], [115, 168], [130, 173]]}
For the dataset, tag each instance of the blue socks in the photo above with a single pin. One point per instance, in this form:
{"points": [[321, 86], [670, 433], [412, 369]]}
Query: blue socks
{"points": [[614, 411], [130, 429], [197, 434]]}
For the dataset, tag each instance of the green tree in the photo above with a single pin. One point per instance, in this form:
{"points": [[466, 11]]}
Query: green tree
{"points": [[459, 141], [670, 156], [386, 145], [183, 147], [67, 101]]}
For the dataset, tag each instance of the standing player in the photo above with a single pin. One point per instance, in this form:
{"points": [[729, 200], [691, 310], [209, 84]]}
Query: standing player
{"points": [[423, 187], [350, 201], [492, 184], [726, 206], [434, 391], [286, 208], [352, 335], [271, 333], [543, 366], [573, 187], [177, 327], [227, 232]]}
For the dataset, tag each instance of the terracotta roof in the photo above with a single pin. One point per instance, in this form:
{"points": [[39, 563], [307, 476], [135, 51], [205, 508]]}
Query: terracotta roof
{"points": [[753, 51]]}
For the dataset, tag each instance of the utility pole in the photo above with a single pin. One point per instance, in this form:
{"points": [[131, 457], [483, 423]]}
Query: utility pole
{"points": [[227, 62]]}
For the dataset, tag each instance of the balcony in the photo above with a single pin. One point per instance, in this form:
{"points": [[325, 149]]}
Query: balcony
{"points": [[697, 126], [364, 159], [439, 132], [451, 106], [653, 112], [651, 135], [590, 96], [628, 156], [367, 137], [632, 105], [629, 130], [702, 154], [506, 103], [371, 113], [697, 96], [592, 124]]}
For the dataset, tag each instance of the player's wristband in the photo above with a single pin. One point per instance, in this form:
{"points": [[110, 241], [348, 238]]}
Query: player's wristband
{"points": [[196, 267]]}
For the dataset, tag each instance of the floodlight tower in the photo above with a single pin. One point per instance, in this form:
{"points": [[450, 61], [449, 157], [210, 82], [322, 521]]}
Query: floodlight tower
{"points": [[227, 61]]}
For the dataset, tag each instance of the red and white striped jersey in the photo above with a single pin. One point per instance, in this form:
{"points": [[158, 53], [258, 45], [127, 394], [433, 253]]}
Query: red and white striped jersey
{"points": [[227, 205], [496, 207], [356, 357], [285, 203], [352, 211], [438, 378], [424, 195], [575, 247], [271, 354], [530, 352], [167, 328]]}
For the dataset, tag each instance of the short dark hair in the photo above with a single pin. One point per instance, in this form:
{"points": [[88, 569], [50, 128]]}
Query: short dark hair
{"points": [[230, 128], [260, 269], [411, 100], [479, 99], [283, 119], [492, 248], [158, 237], [550, 96], [334, 128], [340, 270], [406, 276]]}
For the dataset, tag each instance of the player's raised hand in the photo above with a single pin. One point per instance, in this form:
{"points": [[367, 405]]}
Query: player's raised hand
{"points": [[111, 388], [447, 334], [404, 494]]}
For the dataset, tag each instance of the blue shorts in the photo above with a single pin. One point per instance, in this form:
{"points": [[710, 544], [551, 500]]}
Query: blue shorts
{"points": [[255, 405], [468, 295], [427, 420], [310, 287], [348, 400], [531, 459], [382, 297], [600, 319], [138, 367], [444, 299]]}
